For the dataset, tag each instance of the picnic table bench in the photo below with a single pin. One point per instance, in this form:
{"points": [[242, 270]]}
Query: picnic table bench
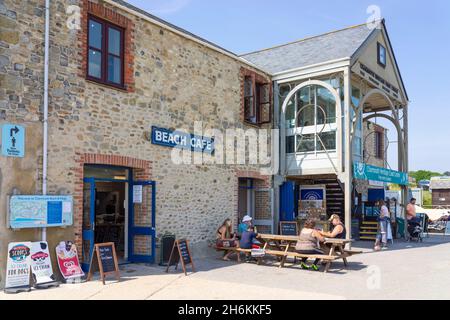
{"points": [[283, 247]]}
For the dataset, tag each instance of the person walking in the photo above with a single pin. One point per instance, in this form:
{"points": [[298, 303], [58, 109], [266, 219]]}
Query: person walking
{"points": [[383, 226]]}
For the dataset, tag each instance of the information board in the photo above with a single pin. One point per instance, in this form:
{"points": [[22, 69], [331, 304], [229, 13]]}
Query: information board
{"points": [[40, 211]]}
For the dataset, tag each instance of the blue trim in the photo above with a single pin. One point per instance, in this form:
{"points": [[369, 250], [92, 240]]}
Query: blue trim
{"points": [[89, 234]]}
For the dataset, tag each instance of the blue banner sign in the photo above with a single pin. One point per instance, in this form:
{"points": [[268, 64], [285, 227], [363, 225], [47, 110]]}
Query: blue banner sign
{"points": [[40, 211], [362, 171], [182, 140], [312, 195], [13, 141]]}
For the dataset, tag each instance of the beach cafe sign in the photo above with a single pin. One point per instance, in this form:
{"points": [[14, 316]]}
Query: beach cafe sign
{"points": [[362, 171], [178, 139]]}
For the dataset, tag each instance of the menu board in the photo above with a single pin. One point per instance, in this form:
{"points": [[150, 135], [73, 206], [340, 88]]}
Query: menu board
{"points": [[18, 267], [181, 253], [106, 261], [288, 228]]}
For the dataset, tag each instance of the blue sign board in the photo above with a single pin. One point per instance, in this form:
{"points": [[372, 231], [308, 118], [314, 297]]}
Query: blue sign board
{"points": [[178, 139], [13, 141], [362, 171], [312, 194], [40, 211]]}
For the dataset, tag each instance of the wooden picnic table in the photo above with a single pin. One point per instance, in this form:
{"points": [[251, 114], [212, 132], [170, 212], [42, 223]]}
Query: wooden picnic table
{"points": [[283, 246]]}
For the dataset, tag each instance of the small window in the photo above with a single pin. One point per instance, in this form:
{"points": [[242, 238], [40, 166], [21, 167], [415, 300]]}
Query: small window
{"points": [[382, 55], [105, 53], [379, 145], [257, 101]]}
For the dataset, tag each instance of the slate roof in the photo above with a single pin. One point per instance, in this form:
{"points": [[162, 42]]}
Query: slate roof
{"points": [[439, 183], [310, 51]]}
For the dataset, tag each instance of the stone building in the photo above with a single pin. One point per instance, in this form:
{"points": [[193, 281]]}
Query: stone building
{"points": [[126, 88], [114, 79]]}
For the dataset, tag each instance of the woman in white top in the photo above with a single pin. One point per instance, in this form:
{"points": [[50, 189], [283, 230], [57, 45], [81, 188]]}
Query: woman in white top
{"points": [[383, 222]]}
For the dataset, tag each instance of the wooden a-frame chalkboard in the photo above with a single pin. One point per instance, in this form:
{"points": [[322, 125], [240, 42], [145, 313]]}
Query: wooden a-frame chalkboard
{"points": [[106, 261], [181, 253]]}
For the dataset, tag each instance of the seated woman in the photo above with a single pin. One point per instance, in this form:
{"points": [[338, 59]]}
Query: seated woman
{"points": [[226, 239], [309, 243]]}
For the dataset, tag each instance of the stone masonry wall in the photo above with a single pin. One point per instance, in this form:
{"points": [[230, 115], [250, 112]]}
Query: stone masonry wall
{"points": [[175, 82]]}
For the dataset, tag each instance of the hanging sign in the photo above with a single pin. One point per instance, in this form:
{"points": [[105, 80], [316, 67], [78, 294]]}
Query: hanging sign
{"points": [[13, 141], [178, 139], [18, 267], [362, 171], [106, 261], [40, 211], [181, 253], [41, 266], [67, 255]]}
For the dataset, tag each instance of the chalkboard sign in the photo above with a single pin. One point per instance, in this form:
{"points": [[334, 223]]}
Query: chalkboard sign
{"points": [[106, 261], [288, 229], [181, 253]]}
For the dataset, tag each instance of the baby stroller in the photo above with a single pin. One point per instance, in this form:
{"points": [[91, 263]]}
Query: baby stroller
{"points": [[415, 231]]}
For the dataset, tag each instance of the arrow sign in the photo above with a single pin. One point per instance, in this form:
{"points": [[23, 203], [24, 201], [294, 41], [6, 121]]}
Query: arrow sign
{"points": [[15, 130], [13, 141]]}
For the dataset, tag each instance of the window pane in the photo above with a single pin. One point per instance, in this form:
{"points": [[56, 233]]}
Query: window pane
{"points": [[290, 114], [305, 143], [306, 116], [95, 64], [95, 34], [325, 100], [114, 69], [248, 87], [328, 139], [114, 44], [290, 144]]}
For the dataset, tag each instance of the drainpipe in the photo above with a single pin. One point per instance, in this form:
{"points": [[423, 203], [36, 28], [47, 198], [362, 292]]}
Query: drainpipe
{"points": [[45, 120]]}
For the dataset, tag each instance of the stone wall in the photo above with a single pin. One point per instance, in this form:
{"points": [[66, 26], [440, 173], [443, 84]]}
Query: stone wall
{"points": [[175, 82]]}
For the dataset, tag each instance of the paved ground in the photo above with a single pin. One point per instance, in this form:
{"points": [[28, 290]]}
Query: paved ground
{"points": [[405, 271]]}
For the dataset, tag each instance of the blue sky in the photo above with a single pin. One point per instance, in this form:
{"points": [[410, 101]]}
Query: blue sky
{"points": [[419, 31]]}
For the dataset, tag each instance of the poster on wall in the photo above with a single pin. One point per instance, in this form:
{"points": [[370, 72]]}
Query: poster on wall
{"points": [[37, 211], [312, 202], [68, 263], [41, 266], [18, 267]]}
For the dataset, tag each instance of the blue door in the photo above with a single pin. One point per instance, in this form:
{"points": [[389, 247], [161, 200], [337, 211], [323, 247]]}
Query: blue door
{"points": [[287, 201], [88, 222], [141, 222]]}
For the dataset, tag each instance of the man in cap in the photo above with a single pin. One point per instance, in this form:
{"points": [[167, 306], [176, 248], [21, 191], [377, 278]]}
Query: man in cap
{"points": [[339, 231], [245, 225]]}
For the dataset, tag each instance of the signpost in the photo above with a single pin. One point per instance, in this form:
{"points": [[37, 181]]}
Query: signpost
{"points": [[13, 141], [288, 228], [18, 267], [67, 255], [40, 211], [41, 266], [181, 253], [106, 261]]}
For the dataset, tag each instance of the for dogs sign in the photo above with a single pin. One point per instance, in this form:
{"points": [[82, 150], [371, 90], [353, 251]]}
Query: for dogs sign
{"points": [[18, 267]]}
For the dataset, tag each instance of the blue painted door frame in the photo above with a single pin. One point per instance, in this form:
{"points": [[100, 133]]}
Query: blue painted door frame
{"points": [[133, 231]]}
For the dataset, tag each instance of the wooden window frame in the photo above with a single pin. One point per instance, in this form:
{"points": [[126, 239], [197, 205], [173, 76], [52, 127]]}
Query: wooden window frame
{"points": [[379, 145], [381, 63], [254, 101], [106, 25]]}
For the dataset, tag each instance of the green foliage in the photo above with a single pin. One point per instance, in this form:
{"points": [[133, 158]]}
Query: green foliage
{"points": [[424, 175], [427, 200]]}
